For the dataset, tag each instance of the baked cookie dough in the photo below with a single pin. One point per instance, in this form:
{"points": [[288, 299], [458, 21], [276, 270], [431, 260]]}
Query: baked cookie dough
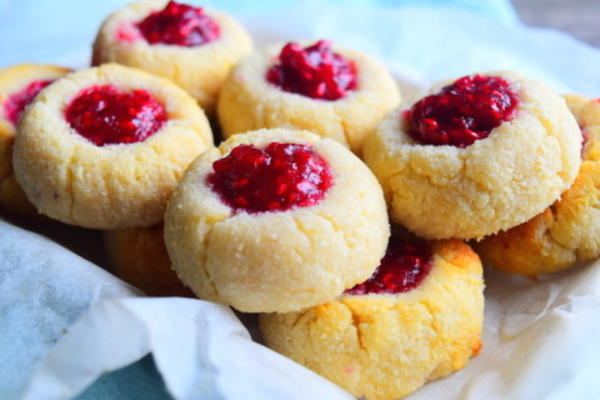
{"points": [[155, 36], [419, 318], [335, 92], [482, 154], [19, 84], [139, 257], [569, 230], [276, 220], [104, 147]]}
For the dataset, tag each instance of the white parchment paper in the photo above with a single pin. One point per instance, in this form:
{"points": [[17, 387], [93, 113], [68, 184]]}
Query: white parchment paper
{"points": [[65, 321]]}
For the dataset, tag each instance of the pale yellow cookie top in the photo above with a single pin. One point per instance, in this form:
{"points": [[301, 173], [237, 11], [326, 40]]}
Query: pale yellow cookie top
{"points": [[569, 230], [248, 101], [277, 261], [112, 186], [18, 77], [493, 184], [200, 70], [385, 346]]}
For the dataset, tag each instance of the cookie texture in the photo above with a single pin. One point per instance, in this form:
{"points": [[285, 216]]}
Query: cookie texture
{"points": [[139, 257], [13, 80], [385, 346], [200, 70], [493, 184], [569, 230], [248, 101], [113, 186], [277, 261]]}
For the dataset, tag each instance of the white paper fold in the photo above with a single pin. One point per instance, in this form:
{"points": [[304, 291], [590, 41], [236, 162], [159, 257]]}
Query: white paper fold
{"points": [[43, 289], [200, 348]]}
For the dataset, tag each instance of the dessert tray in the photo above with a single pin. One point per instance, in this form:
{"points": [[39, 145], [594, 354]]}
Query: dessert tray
{"points": [[68, 321]]}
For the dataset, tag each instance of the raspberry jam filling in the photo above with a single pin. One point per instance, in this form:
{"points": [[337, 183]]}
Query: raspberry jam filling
{"points": [[180, 25], [279, 177], [462, 112], [402, 268], [314, 71], [16, 102], [105, 115]]}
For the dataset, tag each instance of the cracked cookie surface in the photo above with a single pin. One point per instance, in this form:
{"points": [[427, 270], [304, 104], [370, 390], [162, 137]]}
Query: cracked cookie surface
{"points": [[493, 184], [200, 70], [385, 346], [248, 101], [71, 179], [283, 260], [569, 230], [15, 82]]}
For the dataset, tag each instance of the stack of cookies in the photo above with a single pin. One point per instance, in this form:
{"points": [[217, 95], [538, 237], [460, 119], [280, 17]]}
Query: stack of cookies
{"points": [[290, 215]]}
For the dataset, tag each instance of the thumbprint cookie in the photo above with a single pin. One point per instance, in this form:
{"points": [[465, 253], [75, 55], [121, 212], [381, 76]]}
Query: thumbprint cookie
{"points": [[337, 93], [194, 47], [569, 230], [139, 257], [482, 154], [19, 85], [104, 147], [276, 220], [416, 319]]}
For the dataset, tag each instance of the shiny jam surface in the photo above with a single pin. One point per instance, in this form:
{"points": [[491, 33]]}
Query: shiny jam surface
{"points": [[462, 112], [314, 71], [278, 177], [179, 24], [402, 268], [105, 115], [16, 102]]}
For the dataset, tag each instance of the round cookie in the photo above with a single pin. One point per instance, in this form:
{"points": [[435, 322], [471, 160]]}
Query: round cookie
{"points": [[344, 105], [139, 257], [384, 339], [19, 84], [275, 220], [153, 35], [569, 230], [112, 143], [482, 154]]}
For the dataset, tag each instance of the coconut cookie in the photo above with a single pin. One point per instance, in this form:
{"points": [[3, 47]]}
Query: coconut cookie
{"points": [[338, 93], [482, 154], [139, 257], [276, 220], [104, 147], [417, 319], [569, 230], [194, 47], [19, 85]]}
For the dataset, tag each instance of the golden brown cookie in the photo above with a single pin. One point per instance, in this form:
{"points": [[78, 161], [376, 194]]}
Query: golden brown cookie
{"points": [[417, 319], [341, 94], [112, 143], [19, 84], [276, 220], [569, 230], [155, 36], [139, 257], [482, 154]]}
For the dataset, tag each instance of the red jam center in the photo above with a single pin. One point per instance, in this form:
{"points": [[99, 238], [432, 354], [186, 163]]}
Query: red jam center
{"points": [[16, 102], [463, 112], [105, 115], [314, 71], [278, 177], [179, 24], [402, 269]]}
